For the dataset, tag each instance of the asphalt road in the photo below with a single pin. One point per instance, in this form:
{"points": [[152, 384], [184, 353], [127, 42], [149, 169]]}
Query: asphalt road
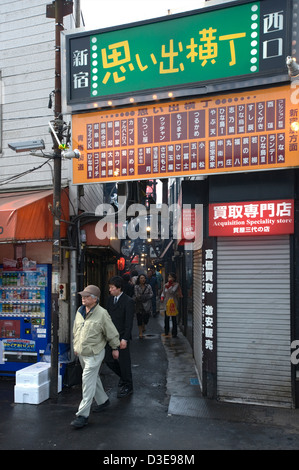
{"points": [[144, 421]]}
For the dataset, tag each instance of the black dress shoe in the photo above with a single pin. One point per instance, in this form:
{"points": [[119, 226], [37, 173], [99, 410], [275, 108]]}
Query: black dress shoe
{"points": [[79, 422], [124, 392], [99, 408]]}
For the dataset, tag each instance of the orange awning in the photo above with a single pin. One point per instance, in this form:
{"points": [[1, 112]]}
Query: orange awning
{"points": [[26, 216], [93, 240]]}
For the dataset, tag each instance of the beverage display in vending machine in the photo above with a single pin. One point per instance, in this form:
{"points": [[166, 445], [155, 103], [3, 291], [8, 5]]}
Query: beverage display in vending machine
{"points": [[25, 300]]}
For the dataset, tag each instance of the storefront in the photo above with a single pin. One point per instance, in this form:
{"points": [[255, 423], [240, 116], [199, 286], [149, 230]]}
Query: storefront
{"points": [[224, 124], [242, 339], [25, 277], [254, 319], [98, 260]]}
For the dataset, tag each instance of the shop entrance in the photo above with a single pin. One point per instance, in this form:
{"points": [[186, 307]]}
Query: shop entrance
{"points": [[254, 320]]}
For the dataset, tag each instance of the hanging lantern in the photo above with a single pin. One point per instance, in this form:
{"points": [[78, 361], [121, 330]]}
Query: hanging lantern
{"points": [[121, 264]]}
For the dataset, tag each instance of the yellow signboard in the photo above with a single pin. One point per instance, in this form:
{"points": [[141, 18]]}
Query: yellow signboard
{"points": [[246, 131]]}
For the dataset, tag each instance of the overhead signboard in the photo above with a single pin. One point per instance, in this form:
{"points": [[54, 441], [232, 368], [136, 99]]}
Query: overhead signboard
{"points": [[251, 218], [246, 131], [193, 50]]}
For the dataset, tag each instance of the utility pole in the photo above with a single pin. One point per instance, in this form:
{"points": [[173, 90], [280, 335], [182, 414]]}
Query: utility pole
{"points": [[58, 9]]}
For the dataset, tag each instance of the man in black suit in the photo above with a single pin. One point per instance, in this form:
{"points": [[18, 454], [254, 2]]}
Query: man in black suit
{"points": [[121, 309]]}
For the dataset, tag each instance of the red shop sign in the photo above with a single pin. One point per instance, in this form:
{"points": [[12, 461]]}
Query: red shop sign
{"points": [[251, 218], [188, 226]]}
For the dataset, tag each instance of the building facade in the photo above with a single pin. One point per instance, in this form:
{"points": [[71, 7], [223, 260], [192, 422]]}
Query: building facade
{"points": [[27, 73]]}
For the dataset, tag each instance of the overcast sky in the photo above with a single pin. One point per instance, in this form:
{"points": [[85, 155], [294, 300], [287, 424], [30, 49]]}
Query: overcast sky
{"points": [[104, 13]]}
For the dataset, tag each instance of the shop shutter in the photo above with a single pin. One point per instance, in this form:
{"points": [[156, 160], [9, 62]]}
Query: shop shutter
{"points": [[253, 320], [197, 310]]}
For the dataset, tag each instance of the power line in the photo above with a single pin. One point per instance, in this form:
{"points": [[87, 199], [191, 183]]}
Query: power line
{"points": [[14, 177], [32, 117]]}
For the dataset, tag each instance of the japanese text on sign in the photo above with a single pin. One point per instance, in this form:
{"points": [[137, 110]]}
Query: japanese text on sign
{"points": [[240, 132], [209, 306], [251, 218], [212, 44]]}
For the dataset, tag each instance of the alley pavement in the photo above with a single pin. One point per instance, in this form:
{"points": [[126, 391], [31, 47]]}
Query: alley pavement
{"points": [[165, 414]]}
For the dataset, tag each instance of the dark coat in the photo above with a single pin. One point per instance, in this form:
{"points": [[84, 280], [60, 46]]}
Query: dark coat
{"points": [[122, 314]]}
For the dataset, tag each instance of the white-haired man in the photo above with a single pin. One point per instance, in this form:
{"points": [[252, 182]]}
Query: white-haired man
{"points": [[93, 329]]}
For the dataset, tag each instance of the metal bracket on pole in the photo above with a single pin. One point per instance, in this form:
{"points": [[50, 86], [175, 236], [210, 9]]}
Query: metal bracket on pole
{"points": [[54, 134], [67, 9]]}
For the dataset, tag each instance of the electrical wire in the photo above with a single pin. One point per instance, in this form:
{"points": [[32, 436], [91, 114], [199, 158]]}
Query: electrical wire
{"points": [[15, 177], [27, 118]]}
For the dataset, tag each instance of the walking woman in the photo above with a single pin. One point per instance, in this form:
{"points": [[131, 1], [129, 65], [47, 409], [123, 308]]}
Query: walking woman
{"points": [[170, 298], [143, 304]]}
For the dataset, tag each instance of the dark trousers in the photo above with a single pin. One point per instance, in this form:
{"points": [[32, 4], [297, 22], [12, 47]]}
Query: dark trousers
{"points": [[154, 305], [174, 324], [142, 318], [122, 366]]}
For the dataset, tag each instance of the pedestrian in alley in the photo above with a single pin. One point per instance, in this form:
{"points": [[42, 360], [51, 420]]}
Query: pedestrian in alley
{"points": [[121, 308], [128, 287], [134, 276], [92, 330], [143, 294], [170, 299], [152, 281], [159, 279]]}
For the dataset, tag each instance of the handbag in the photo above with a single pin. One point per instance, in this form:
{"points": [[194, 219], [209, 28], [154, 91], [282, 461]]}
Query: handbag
{"points": [[73, 374], [171, 309], [147, 306]]}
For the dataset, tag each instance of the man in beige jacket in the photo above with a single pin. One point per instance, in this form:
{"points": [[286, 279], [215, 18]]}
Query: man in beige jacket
{"points": [[93, 329]]}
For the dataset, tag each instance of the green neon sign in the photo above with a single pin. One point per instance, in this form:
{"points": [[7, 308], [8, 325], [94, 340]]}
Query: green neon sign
{"points": [[212, 45], [202, 47]]}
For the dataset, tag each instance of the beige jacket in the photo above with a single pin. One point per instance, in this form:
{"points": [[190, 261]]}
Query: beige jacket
{"points": [[92, 333]]}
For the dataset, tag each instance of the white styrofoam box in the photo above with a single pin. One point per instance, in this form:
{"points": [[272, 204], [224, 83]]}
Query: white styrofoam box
{"points": [[32, 394], [36, 374]]}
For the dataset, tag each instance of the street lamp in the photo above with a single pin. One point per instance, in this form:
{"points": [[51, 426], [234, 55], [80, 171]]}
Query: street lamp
{"points": [[27, 146], [69, 154]]}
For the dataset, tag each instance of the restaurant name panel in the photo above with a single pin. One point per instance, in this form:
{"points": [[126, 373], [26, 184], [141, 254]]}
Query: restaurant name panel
{"points": [[246, 131], [212, 45]]}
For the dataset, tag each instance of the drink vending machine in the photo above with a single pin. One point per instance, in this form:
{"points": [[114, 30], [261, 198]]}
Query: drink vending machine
{"points": [[25, 318]]}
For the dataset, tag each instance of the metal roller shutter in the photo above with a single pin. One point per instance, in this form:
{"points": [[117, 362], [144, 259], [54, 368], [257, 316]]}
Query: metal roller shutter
{"points": [[253, 320], [197, 310]]}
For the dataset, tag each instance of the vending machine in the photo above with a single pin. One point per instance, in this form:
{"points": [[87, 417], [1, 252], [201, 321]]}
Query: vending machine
{"points": [[25, 318]]}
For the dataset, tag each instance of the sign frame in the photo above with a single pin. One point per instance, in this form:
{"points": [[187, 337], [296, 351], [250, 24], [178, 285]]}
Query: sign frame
{"points": [[131, 144], [275, 73], [251, 218]]}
